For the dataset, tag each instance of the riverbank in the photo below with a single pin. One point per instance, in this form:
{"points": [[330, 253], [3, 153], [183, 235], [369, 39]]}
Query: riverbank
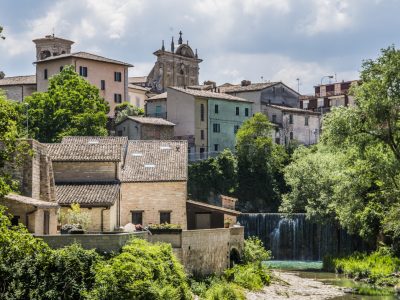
{"points": [[288, 285]]}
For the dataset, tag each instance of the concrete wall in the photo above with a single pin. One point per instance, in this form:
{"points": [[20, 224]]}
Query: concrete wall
{"points": [[153, 198], [85, 171], [97, 71], [280, 94], [201, 125], [101, 242], [227, 119], [18, 92], [254, 96], [151, 108], [137, 96]]}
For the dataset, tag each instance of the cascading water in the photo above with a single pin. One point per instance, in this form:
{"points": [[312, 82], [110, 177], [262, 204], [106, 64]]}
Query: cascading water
{"points": [[297, 238]]}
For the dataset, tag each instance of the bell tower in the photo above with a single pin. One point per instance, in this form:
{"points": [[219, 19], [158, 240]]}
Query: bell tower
{"points": [[51, 45]]}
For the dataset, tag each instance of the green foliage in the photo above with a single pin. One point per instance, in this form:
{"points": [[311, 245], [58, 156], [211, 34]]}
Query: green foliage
{"points": [[126, 109], [353, 176], [213, 175], [379, 267], [1, 33], [71, 106], [251, 276], [141, 271], [164, 226], [225, 291], [260, 166], [254, 251], [75, 216]]}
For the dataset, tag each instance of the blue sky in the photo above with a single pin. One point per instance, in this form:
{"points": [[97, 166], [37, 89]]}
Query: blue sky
{"points": [[237, 39]]}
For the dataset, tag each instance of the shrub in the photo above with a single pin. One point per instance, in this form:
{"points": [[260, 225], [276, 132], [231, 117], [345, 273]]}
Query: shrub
{"points": [[250, 276], [141, 271], [75, 217], [164, 226], [254, 251], [225, 291]]}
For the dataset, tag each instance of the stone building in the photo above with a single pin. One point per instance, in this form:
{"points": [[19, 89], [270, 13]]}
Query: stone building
{"points": [[293, 124], [177, 67], [327, 96], [207, 120], [262, 94], [18, 87], [145, 128], [35, 207], [156, 106], [110, 76], [138, 95]]}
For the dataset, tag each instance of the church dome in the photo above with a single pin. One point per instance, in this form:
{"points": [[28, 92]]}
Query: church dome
{"points": [[185, 50]]}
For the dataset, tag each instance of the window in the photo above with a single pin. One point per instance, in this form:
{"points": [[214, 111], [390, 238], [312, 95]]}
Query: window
{"points": [[216, 147], [202, 134], [237, 110], [216, 108], [103, 85], [273, 118], [291, 135], [246, 112], [290, 119], [117, 98], [306, 120], [61, 68], [137, 217], [120, 132], [201, 112], [165, 217], [216, 128], [15, 220], [117, 76], [83, 71], [235, 129], [45, 75]]}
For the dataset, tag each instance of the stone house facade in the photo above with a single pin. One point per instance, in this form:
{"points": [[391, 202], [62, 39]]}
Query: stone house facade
{"points": [[293, 124], [145, 128], [18, 87]]}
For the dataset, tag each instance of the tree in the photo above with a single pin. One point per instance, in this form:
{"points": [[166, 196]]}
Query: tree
{"points": [[1, 33], [10, 149], [213, 175], [71, 106], [126, 109], [260, 165], [354, 174]]}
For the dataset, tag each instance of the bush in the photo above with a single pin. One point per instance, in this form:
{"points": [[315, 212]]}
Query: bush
{"points": [[75, 217], [225, 291], [141, 271], [254, 251], [378, 267], [250, 276]]}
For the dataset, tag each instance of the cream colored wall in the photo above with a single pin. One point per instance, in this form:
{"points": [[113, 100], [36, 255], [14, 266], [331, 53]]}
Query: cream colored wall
{"points": [[137, 97], [181, 111], [153, 197], [201, 125], [97, 71]]}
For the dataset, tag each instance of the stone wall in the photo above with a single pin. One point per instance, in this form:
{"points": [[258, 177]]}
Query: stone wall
{"points": [[101, 242], [19, 92], [85, 171], [152, 198]]}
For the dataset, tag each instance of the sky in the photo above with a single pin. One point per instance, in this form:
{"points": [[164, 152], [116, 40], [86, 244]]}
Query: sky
{"points": [[257, 40]]}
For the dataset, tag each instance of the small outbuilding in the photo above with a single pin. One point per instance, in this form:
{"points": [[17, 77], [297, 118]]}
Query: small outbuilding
{"points": [[145, 128]]}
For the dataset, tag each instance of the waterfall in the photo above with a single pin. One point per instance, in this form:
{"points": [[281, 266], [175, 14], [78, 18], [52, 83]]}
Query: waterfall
{"points": [[297, 238]]}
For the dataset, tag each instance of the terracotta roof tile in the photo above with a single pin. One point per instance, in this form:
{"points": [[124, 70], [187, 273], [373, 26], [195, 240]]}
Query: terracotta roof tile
{"points": [[31, 201], [246, 88], [150, 121], [292, 109], [120, 140], [155, 161], [87, 194], [208, 94], [85, 55], [18, 80], [84, 152], [158, 97]]}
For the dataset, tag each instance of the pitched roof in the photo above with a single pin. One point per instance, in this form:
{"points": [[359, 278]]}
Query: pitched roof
{"points": [[137, 79], [138, 87], [149, 121], [18, 80], [247, 88], [87, 194], [208, 94], [155, 161], [85, 55], [120, 140], [158, 97], [84, 152], [292, 109], [31, 201], [214, 207]]}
